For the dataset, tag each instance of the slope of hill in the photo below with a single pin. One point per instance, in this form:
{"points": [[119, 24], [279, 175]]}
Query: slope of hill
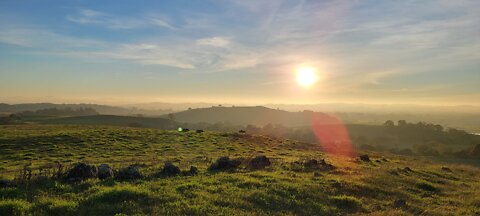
{"points": [[382, 184], [257, 115], [112, 120]]}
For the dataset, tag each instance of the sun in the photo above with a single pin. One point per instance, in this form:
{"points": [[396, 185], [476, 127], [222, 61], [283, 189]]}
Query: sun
{"points": [[306, 76]]}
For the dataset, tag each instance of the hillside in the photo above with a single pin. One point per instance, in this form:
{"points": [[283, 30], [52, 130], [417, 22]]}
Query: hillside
{"points": [[381, 184], [257, 115], [112, 120]]}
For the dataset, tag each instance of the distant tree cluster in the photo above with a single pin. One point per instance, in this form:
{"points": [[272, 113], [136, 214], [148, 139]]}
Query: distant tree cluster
{"points": [[415, 139], [400, 138], [82, 111]]}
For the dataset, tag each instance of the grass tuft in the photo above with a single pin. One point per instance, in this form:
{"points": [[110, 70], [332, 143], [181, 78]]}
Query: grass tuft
{"points": [[14, 207]]}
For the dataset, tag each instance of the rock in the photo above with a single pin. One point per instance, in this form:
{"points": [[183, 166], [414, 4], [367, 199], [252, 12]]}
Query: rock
{"points": [[224, 163], [129, 173], [446, 169], [259, 162], [398, 203], [170, 170], [318, 165], [193, 171], [82, 171], [6, 183], [365, 158], [105, 171], [311, 164]]}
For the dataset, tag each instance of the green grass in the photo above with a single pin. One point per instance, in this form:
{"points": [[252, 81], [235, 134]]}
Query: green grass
{"points": [[354, 187]]}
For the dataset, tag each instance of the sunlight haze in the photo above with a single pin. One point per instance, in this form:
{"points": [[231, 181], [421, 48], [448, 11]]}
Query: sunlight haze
{"points": [[394, 52]]}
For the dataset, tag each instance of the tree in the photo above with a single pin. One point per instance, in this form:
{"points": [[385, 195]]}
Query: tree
{"points": [[389, 123], [402, 123]]}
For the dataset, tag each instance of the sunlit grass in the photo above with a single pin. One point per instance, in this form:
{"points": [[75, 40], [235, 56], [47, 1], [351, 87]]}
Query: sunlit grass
{"points": [[353, 187]]}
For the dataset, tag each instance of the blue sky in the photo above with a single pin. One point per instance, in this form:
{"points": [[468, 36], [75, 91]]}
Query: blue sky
{"points": [[418, 52]]}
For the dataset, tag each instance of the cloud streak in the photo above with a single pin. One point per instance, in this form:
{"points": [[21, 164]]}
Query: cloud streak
{"points": [[88, 16], [358, 45]]}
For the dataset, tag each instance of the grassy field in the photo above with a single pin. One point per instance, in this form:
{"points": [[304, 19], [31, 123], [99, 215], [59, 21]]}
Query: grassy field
{"points": [[384, 186]]}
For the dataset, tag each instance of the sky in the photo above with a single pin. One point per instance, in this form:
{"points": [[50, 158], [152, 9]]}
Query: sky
{"points": [[243, 52]]}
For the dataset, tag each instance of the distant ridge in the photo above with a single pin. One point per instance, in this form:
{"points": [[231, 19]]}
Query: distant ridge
{"points": [[255, 115], [102, 109]]}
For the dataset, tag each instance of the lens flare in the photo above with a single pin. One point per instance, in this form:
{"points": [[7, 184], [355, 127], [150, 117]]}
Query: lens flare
{"points": [[332, 135]]}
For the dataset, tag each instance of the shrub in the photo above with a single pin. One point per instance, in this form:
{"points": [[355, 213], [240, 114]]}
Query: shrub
{"points": [[14, 207]]}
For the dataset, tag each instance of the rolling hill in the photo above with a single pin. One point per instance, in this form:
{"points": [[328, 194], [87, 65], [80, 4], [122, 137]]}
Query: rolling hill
{"points": [[295, 183], [257, 115], [112, 120]]}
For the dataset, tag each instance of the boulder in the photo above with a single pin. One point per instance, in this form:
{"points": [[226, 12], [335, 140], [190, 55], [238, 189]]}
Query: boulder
{"points": [[446, 169], [193, 171], [82, 171], [105, 171], [317, 165], [365, 158], [129, 173], [170, 170], [224, 163], [259, 162], [311, 164]]}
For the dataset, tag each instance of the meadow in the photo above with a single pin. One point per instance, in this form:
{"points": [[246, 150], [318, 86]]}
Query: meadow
{"points": [[387, 184]]}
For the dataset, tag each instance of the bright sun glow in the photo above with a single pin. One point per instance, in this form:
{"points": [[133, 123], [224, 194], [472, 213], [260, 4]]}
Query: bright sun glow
{"points": [[306, 76]]}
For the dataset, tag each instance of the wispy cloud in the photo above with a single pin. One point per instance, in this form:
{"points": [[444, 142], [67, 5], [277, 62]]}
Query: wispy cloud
{"points": [[214, 41], [88, 16], [37, 38]]}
